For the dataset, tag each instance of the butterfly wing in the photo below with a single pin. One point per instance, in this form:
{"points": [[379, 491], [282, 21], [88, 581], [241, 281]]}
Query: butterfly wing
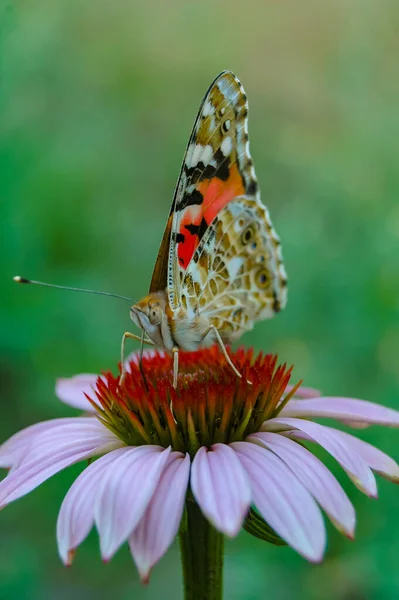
{"points": [[217, 167], [220, 255], [159, 278], [237, 274]]}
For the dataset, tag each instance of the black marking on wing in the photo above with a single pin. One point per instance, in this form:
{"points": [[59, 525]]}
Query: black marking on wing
{"points": [[202, 228], [197, 229], [222, 171], [193, 229], [178, 237], [201, 172], [276, 302], [204, 172], [252, 188], [195, 198]]}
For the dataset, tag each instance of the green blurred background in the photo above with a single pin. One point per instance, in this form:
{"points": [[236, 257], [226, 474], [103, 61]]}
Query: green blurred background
{"points": [[97, 101]]}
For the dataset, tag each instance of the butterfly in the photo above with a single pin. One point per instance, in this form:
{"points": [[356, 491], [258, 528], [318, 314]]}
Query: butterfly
{"points": [[219, 267]]}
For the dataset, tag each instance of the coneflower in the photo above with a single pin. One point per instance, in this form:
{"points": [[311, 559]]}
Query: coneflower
{"points": [[203, 460]]}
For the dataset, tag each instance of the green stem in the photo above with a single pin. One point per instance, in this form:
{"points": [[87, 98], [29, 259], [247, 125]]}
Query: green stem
{"points": [[201, 547]]}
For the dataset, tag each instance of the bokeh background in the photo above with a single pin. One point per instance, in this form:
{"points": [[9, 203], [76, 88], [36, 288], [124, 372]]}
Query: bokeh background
{"points": [[96, 104]]}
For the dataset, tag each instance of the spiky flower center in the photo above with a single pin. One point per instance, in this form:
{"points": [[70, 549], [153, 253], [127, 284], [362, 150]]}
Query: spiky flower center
{"points": [[210, 405]]}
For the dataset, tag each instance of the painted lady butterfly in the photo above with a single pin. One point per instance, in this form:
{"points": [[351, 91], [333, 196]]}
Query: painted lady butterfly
{"points": [[219, 267]]}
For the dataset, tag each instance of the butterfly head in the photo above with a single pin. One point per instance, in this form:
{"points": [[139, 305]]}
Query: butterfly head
{"points": [[149, 315]]}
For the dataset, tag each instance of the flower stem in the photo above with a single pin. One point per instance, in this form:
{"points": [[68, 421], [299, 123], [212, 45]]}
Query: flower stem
{"points": [[201, 549]]}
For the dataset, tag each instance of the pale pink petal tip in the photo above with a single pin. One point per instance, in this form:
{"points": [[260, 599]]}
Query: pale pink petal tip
{"points": [[377, 460], [131, 483], [160, 522], [69, 559], [55, 449], [72, 390], [76, 516], [304, 392], [315, 476], [347, 410], [14, 450], [283, 501], [336, 443], [221, 487]]}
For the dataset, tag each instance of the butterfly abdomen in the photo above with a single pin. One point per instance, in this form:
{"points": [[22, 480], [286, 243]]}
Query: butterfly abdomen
{"points": [[190, 332]]}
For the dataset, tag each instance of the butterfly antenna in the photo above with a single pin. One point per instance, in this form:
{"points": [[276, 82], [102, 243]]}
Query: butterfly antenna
{"points": [[19, 279]]}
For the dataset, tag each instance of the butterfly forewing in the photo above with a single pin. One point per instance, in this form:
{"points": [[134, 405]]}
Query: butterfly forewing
{"points": [[220, 256], [216, 168]]}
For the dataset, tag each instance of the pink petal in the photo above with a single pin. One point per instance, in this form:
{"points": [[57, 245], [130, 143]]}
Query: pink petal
{"points": [[72, 390], [125, 494], [160, 522], [320, 482], [12, 449], [221, 487], [80, 428], [283, 501], [355, 424], [330, 439], [344, 409], [304, 392], [76, 516], [377, 460], [53, 452]]}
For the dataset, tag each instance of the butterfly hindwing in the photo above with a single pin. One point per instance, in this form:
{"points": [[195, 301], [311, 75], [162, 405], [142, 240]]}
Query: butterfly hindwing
{"points": [[237, 275]]}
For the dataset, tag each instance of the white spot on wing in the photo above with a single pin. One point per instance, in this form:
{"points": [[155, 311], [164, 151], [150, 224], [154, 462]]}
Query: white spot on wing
{"points": [[208, 109], [234, 266], [189, 155], [207, 155], [226, 146], [197, 153]]}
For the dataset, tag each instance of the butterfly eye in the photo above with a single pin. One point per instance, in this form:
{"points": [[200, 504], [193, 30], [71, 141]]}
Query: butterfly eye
{"points": [[262, 278], [247, 234], [155, 315]]}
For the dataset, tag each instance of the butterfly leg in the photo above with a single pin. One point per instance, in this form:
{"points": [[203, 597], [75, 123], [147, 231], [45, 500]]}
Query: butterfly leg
{"points": [[175, 352], [133, 337], [223, 349], [142, 339]]}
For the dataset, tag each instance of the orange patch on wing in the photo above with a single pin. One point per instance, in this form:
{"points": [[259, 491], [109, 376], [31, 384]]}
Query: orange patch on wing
{"points": [[217, 193], [187, 247]]}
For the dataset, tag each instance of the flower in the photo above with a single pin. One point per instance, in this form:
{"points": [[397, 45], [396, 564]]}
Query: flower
{"points": [[216, 440]]}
